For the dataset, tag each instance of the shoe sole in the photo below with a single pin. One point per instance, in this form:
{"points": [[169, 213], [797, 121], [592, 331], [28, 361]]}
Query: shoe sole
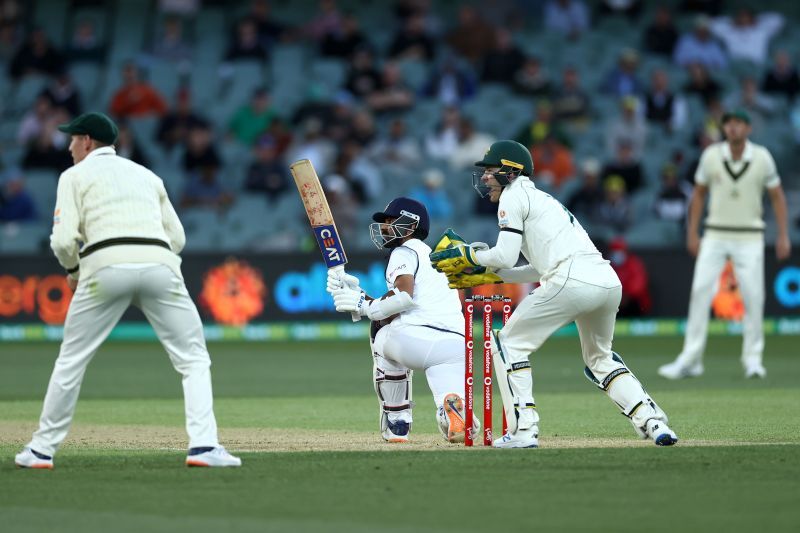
{"points": [[201, 464], [397, 440], [515, 447], [457, 427], [35, 467], [666, 440]]}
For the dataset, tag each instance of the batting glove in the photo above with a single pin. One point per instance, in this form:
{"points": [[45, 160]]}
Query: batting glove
{"points": [[349, 300], [339, 279]]}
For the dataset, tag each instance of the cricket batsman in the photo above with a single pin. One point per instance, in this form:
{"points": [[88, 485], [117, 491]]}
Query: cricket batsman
{"points": [[417, 325], [577, 285]]}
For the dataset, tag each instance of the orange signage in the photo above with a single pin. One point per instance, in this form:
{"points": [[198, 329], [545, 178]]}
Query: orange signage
{"points": [[48, 297]]}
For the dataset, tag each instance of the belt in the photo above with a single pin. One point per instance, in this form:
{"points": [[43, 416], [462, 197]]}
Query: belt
{"points": [[734, 228], [120, 241]]}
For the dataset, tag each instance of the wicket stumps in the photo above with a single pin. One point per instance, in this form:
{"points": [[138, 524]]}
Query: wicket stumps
{"points": [[469, 370]]}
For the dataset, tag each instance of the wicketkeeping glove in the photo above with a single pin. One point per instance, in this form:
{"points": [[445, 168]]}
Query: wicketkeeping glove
{"points": [[459, 258], [465, 281]]}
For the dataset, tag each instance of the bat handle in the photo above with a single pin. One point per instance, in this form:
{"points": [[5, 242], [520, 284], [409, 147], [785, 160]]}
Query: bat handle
{"points": [[355, 316]]}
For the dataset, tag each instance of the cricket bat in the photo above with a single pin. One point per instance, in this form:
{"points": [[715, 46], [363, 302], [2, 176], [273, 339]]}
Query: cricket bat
{"points": [[320, 217]]}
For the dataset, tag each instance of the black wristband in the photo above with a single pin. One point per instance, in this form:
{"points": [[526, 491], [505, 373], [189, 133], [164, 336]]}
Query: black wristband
{"points": [[73, 270]]}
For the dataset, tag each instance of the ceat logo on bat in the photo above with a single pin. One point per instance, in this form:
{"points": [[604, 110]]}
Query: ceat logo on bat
{"points": [[331, 247]]}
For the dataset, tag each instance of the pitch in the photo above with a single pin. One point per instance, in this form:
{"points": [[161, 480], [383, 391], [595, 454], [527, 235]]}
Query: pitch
{"points": [[304, 417]]}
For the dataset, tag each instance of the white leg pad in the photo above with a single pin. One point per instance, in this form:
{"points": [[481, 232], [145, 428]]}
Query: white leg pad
{"points": [[393, 388]]}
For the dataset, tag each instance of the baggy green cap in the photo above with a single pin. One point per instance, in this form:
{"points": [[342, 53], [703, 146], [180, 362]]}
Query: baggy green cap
{"points": [[740, 114], [96, 125]]}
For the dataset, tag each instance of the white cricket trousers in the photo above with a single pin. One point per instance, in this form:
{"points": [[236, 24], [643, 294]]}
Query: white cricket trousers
{"points": [[748, 263], [399, 347], [96, 307]]}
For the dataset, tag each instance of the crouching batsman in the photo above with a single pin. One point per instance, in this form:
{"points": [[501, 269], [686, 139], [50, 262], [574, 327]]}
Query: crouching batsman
{"points": [[576, 284], [417, 325]]}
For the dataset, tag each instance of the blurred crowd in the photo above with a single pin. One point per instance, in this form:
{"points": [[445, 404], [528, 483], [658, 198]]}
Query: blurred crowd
{"points": [[362, 134]]}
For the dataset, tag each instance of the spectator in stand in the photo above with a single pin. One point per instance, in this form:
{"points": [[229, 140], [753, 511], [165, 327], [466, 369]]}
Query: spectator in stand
{"points": [[442, 142], [451, 83], [245, 44], [267, 174], [173, 130], [615, 209], [363, 78], [703, 142], [432, 195], [204, 190], [184, 8], [364, 177], [397, 148], [344, 206], [35, 120], [337, 127], [317, 103], [632, 273], [711, 126], [470, 147], [37, 55], [48, 150], [412, 41], [472, 38], [279, 131], [699, 47], [63, 94], [553, 162], [363, 131], [747, 36], [570, 102], [661, 35], [709, 7], [782, 78], [629, 8], [127, 146], [759, 106], [543, 124], [625, 167], [328, 20], [623, 79], [629, 128], [200, 151], [171, 45], [84, 45], [568, 17], [136, 98], [672, 201], [251, 120], [269, 30], [586, 201], [531, 80], [662, 106], [504, 60], [392, 94], [16, 203], [343, 43], [701, 83], [314, 146], [10, 39]]}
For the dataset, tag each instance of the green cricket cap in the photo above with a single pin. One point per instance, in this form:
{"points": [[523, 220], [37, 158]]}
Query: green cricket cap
{"points": [[96, 125], [740, 114]]}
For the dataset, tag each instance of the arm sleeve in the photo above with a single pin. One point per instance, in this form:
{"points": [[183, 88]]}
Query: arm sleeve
{"points": [[771, 177], [66, 225], [172, 224], [700, 177], [520, 274], [511, 214], [403, 261]]}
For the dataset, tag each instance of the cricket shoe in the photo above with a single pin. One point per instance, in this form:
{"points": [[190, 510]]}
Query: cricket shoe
{"points": [[397, 431], [29, 458], [523, 438], [211, 457], [755, 370], [677, 370], [451, 418], [660, 433]]}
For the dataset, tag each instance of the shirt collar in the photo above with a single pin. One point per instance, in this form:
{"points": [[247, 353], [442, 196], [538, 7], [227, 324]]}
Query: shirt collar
{"points": [[103, 150], [747, 153]]}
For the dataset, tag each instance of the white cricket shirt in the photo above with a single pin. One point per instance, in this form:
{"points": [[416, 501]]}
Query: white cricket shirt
{"points": [[736, 189], [437, 305]]}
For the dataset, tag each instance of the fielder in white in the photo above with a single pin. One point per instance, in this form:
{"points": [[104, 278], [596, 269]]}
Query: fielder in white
{"points": [[131, 238], [417, 325], [577, 284], [734, 173]]}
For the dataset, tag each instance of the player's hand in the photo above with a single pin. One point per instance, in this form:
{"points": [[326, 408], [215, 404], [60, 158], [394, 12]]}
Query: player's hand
{"points": [[454, 260], [72, 283], [339, 279], [349, 300], [783, 248], [465, 281], [693, 244]]}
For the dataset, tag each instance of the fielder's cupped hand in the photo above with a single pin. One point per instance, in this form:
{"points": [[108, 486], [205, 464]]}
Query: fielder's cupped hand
{"points": [[454, 260]]}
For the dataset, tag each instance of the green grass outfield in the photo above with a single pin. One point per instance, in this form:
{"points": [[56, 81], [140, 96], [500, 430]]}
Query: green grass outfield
{"points": [[305, 416]]}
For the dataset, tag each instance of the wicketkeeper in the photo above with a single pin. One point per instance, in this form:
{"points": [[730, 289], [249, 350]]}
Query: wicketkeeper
{"points": [[417, 325], [577, 284]]}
